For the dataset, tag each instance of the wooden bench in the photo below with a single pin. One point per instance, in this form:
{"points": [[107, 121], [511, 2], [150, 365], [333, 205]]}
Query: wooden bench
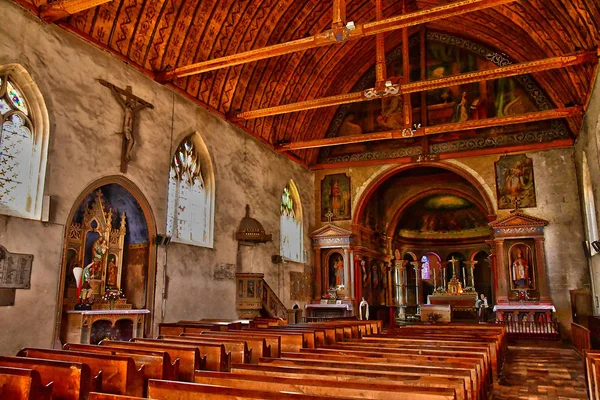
{"points": [[323, 387], [106, 396], [169, 390], [240, 353], [189, 356], [23, 384], [70, 380], [262, 345], [359, 376], [119, 374], [415, 370], [217, 357], [156, 364], [591, 363]]}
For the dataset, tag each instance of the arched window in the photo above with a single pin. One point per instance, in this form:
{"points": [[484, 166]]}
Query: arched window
{"points": [[425, 270], [190, 210], [23, 144], [590, 204], [292, 248]]}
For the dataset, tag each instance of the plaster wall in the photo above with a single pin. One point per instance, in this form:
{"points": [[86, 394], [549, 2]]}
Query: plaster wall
{"points": [[84, 147], [558, 201]]}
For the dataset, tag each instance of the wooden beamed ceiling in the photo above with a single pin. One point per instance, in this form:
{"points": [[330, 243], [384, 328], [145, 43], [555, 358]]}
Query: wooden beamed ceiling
{"points": [[163, 35]]}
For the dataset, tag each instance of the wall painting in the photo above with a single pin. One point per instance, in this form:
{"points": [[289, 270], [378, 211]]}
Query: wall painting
{"points": [[335, 197], [514, 182]]}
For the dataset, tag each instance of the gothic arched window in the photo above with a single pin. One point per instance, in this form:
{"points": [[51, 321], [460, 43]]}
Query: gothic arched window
{"points": [[23, 144], [589, 204], [190, 210], [292, 248], [425, 268]]}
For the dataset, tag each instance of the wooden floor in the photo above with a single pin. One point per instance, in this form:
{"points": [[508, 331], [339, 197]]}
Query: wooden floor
{"points": [[541, 370]]}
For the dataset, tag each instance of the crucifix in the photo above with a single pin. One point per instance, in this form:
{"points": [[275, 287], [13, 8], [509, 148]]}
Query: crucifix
{"points": [[329, 215], [453, 261], [131, 105], [517, 202]]}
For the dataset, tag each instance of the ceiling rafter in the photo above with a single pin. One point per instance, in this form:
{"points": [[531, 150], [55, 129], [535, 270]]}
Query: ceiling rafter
{"points": [[431, 84], [435, 129], [62, 9], [333, 36]]}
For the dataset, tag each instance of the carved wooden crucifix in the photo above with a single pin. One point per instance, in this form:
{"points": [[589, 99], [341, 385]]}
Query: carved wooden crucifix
{"points": [[131, 105]]}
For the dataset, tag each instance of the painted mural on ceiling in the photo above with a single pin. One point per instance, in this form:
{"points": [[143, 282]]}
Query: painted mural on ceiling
{"points": [[443, 216], [446, 55]]}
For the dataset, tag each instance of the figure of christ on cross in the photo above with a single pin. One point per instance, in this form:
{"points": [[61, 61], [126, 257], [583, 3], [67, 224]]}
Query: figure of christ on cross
{"points": [[131, 105]]}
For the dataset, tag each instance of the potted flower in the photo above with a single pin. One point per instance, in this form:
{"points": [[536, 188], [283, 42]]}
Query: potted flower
{"points": [[434, 317], [330, 297]]}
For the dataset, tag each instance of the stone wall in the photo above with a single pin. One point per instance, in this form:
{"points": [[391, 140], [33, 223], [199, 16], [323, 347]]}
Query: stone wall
{"points": [[557, 201], [84, 147]]}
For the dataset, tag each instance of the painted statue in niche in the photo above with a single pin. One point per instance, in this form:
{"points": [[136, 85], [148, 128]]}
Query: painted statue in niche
{"points": [[520, 258], [336, 270], [514, 182], [335, 197], [111, 271]]}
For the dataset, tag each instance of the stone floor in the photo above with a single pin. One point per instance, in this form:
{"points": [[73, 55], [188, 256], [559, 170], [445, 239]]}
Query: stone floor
{"points": [[541, 370]]}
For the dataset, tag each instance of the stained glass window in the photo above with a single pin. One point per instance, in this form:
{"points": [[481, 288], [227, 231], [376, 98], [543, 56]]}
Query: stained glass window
{"points": [[17, 150], [189, 210], [425, 270], [291, 224]]}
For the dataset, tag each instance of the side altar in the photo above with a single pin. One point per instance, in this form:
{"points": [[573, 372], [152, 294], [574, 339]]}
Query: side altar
{"points": [[95, 306]]}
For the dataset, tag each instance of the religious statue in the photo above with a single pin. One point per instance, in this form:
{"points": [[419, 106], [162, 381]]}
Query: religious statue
{"points": [[520, 271], [98, 251], [339, 271], [86, 288], [111, 273]]}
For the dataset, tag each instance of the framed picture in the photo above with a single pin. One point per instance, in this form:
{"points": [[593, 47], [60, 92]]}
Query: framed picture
{"points": [[515, 185], [336, 198]]}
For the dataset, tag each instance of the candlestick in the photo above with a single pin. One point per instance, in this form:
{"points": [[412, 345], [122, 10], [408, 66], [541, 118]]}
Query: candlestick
{"points": [[464, 277]]}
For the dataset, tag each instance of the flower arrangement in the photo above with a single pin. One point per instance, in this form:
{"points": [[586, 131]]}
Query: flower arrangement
{"points": [[112, 295], [329, 296], [440, 290], [434, 317], [469, 289]]}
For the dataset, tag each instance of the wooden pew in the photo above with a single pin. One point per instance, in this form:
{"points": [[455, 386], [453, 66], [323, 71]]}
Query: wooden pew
{"points": [[591, 363], [262, 345], [119, 374], [177, 328], [435, 370], [70, 380], [157, 364], [23, 384], [189, 356], [279, 342], [343, 376], [323, 387], [217, 358], [169, 390], [223, 324], [240, 353]]}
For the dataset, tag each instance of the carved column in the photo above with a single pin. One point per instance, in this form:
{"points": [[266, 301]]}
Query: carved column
{"points": [[500, 273], [417, 266], [346, 272], [318, 274], [470, 279], [400, 269], [389, 297], [540, 260], [350, 291]]}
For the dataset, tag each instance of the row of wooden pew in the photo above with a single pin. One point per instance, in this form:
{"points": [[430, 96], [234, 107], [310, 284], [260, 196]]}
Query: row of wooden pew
{"points": [[263, 359], [592, 372]]}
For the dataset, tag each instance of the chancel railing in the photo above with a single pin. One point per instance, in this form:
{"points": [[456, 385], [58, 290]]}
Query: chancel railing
{"points": [[581, 338], [255, 298], [544, 330]]}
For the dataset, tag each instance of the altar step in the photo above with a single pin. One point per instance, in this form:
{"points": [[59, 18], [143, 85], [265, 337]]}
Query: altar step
{"points": [[538, 370]]}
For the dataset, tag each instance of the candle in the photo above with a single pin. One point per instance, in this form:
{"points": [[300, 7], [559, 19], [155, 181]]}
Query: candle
{"points": [[464, 277]]}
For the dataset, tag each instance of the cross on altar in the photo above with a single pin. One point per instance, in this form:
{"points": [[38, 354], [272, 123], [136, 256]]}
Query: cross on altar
{"points": [[453, 261], [329, 215], [517, 202]]}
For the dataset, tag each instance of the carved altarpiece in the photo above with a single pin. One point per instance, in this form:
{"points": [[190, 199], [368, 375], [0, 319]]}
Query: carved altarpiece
{"points": [[519, 261], [82, 237]]}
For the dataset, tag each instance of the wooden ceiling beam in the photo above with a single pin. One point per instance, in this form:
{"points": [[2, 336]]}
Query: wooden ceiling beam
{"points": [[338, 35], [432, 84], [434, 130], [65, 8]]}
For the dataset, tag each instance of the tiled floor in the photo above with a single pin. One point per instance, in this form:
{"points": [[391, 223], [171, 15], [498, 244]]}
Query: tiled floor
{"points": [[541, 370]]}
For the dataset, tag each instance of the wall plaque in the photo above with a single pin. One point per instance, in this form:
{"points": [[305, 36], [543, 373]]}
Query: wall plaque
{"points": [[15, 270]]}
